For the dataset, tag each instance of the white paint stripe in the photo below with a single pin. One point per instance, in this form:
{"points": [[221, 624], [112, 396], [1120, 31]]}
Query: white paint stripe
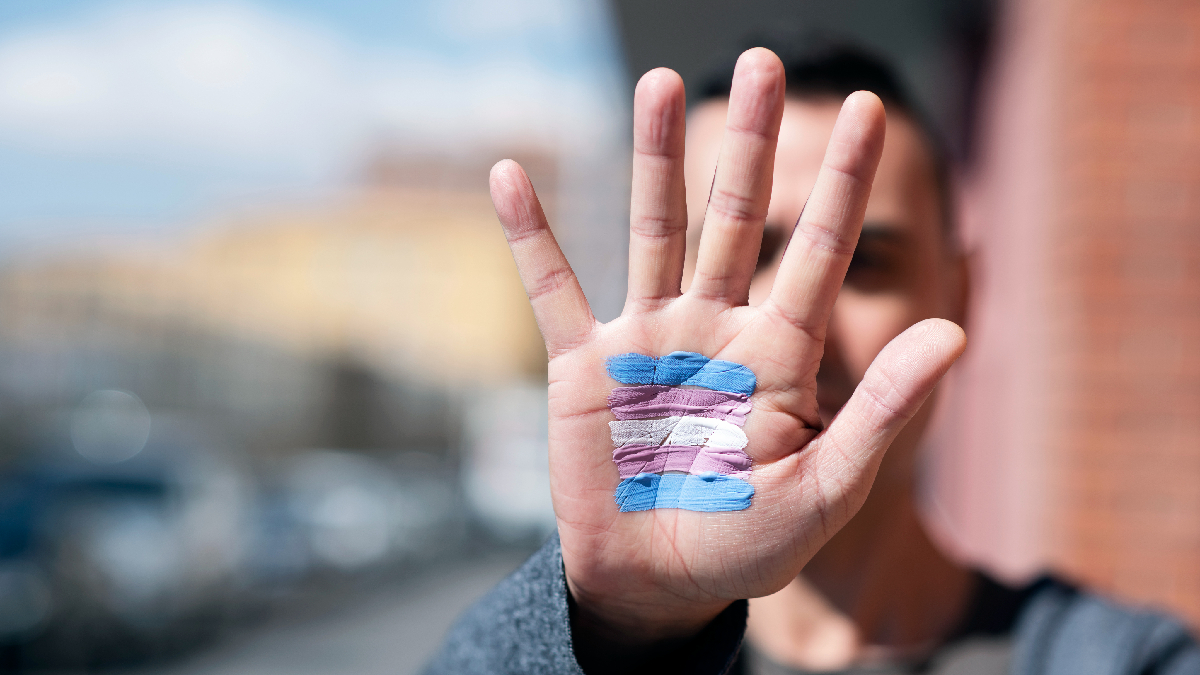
{"points": [[698, 431], [642, 432], [708, 432]]}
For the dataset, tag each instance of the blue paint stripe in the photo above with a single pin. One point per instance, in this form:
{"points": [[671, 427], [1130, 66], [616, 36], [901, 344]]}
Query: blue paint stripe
{"points": [[682, 368], [705, 492]]}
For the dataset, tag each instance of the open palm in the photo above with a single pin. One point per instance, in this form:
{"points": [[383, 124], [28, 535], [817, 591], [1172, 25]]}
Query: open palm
{"points": [[665, 572]]}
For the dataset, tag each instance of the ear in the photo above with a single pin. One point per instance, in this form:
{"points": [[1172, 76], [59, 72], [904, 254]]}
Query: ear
{"points": [[962, 267]]}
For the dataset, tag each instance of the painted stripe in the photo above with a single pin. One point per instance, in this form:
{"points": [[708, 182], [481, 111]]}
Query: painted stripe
{"points": [[643, 432], [707, 492], [654, 400], [678, 431], [634, 459], [707, 432], [682, 368]]}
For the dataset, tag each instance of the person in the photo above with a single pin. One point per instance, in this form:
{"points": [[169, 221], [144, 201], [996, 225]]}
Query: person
{"points": [[821, 255]]}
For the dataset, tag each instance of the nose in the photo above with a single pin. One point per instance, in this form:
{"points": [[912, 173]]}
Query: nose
{"points": [[834, 385]]}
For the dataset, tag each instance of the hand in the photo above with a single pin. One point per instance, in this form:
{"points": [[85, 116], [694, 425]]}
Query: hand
{"points": [[647, 577]]}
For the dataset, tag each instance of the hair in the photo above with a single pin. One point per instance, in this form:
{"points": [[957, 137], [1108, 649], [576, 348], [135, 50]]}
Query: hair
{"points": [[819, 67]]}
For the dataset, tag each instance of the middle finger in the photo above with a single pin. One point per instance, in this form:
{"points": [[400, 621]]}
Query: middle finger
{"points": [[741, 190]]}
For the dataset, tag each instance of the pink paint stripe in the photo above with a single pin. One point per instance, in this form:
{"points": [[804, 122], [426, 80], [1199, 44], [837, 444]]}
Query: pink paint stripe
{"points": [[634, 459], [651, 400]]}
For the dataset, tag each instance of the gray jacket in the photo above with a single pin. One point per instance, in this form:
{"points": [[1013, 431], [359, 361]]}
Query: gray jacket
{"points": [[523, 627]]}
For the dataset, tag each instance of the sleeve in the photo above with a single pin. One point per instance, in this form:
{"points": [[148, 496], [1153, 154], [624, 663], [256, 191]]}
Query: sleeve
{"points": [[1171, 650], [1067, 632], [523, 627]]}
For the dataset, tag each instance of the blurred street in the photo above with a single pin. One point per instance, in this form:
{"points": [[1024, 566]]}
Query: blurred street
{"points": [[391, 628]]}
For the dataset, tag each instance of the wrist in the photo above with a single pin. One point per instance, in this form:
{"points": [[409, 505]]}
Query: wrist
{"points": [[636, 622], [647, 642]]}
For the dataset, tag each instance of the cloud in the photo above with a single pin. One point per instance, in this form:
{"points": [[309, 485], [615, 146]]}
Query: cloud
{"points": [[480, 18], [234, 84], [207, 81]]}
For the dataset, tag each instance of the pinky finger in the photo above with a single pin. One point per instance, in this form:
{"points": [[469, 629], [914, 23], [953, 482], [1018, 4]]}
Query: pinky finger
{"points": [[561, 310]]}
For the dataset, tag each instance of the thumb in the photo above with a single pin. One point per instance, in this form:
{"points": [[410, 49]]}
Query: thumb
{"points": [[846, 457]]}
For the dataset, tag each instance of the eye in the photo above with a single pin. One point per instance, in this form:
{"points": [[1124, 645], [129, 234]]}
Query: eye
{"points": [[773, 240], [876, 266]]}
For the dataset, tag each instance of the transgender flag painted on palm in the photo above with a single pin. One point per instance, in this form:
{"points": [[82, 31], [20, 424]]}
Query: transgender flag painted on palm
{"points": [[678, 446]]}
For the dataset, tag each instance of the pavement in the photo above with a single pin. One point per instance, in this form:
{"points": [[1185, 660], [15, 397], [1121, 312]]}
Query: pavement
{"points": [[391, 631]]}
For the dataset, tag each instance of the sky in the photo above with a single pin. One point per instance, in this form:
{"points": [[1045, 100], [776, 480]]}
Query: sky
{"points": [[137, 116]]}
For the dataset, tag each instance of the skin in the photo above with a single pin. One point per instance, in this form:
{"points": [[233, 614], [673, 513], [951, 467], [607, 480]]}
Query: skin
{"points": [[642, 581], [879, 588]]}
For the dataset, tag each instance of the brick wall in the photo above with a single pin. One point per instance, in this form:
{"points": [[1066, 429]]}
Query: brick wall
{"points": [[1072, 434]]}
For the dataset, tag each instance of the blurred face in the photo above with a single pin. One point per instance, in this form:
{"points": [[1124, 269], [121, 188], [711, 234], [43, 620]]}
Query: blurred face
{"points": [[904, 269]]}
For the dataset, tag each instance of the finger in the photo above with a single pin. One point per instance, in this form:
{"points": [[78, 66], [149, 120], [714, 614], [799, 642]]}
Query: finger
{"points": [[845, 458], [814, 264], [741, 190], [658, 209], [561, 310]]}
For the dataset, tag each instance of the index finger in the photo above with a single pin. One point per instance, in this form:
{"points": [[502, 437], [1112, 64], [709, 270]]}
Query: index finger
{"points": [[741, 189], [815, 263]]}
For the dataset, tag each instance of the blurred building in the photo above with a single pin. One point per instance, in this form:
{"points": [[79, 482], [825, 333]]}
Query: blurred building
{"points": [[351, 325], [1078, 433], [327, 387], [336, 380]]}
